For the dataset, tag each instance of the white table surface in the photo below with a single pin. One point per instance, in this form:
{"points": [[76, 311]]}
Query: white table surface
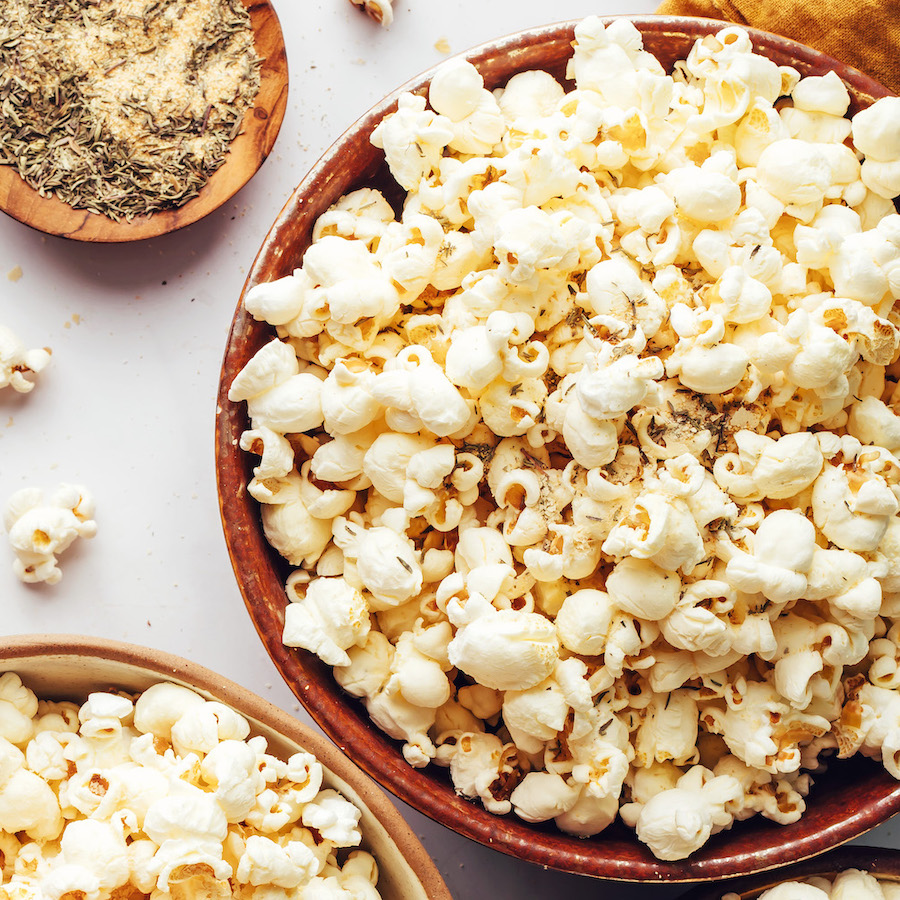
{"points": [[127, 405]]}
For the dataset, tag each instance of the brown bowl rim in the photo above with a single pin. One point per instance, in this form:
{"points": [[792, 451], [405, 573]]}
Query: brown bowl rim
{"points": [[169, 667], [251, 148], [343, 719]]}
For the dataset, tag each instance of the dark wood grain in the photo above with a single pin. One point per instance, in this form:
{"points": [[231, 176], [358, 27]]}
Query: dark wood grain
{"points": [[852, 797], [246, 154]]}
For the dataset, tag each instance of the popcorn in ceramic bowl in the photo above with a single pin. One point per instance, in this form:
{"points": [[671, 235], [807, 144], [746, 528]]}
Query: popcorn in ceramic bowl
{"points": [[209, 816], [846, 883], [621, 487]]}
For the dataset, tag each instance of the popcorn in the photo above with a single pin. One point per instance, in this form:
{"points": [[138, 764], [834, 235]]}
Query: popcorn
{"points": [[640, 588], [731, 77], [543, 795], [853, 508], [584, 621], [875, 134], [780, 468], [608, 409], [675, 822], [457, 92], [847, 883], [96, 847], [783, 548], [412, 140], [18, 365], [615, 289], [266, 862], [381, 11], [197, 817], [702, 194], [27, 803], [415, 386], [797, 173], [40, 527], [385, 561], [700, 360], [501, 649], [329, 618]]}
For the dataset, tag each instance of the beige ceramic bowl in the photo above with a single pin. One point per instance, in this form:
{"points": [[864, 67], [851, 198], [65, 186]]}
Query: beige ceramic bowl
{"points": [[882, 864], [69, 667], [851, 798]]}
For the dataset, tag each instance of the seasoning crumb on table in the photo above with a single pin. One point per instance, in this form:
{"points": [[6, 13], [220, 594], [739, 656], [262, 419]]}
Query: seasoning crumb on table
{"points": [[123, 108]]}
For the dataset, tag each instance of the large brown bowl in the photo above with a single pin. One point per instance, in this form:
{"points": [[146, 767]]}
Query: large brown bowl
{"points": [[852, 798], [878, 862], [69, 667]]}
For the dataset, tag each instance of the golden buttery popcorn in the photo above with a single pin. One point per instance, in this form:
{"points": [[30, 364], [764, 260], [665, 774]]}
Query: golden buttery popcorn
{"points": [[585, 457], [164, 795], [19, 366]]}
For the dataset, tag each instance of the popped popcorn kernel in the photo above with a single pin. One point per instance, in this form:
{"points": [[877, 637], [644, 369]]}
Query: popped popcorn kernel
{"points": [[847, 883], [20, 366], [40, 527]]}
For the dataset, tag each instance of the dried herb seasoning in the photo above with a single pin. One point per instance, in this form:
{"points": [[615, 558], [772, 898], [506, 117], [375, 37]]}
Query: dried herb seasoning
{"points": [[123, 107]]}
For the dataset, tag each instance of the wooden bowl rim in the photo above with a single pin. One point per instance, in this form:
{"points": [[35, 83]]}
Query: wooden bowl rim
{"points": [[165, 666], [431, 794], [249, 149]]}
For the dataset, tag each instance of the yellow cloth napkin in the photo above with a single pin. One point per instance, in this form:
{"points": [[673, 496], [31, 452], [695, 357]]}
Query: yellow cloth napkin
{"points": [[862, 33]]}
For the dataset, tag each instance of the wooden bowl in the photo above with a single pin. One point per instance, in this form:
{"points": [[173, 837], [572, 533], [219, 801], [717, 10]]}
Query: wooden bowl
{"points": [[852, 798], [881, 863], [246, 154], [69, 667]]}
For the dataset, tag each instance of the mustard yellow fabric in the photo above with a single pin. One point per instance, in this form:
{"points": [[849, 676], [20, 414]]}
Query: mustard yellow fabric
{"points": [[862, 33]]}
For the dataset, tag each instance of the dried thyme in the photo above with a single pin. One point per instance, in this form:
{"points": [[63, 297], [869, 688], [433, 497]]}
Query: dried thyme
{"points": [[123, 107]]}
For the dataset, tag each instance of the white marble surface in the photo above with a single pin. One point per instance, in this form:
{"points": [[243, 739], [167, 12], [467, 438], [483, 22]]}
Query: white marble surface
{"points": [[127, 405]]}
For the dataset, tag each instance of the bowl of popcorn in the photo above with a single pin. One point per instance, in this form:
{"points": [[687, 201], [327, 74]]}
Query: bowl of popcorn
{"points": [[556, 447], [855, 872], [129, 772]]}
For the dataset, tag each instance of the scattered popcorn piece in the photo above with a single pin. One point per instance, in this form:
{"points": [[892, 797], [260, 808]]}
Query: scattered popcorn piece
{"points": [[585, 459], [18, 365], [40, 527], [379, 10]]}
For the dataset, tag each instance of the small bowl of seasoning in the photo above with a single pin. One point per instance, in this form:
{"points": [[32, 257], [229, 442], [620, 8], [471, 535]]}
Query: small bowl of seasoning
{"points": [[127, 119]]}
